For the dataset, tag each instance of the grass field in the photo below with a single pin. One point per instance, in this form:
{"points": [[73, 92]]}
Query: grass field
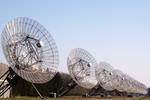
{"points": [[79, 98]]}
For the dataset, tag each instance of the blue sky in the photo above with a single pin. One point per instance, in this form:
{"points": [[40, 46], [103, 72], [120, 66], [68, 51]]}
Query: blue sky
{"points": [[115, 31]]}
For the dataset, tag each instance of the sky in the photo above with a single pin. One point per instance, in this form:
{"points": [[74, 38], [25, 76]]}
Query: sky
{"points": [[115, 31]]}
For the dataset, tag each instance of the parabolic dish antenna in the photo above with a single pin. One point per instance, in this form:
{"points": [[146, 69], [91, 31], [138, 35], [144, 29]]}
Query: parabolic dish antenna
{"points": [[30, 50], [121, 81], [128, 83], [81, 66], [105, 76]]}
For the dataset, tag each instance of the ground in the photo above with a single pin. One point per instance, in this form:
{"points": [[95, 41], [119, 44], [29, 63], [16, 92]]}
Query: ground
{"points": [[79, 98]]}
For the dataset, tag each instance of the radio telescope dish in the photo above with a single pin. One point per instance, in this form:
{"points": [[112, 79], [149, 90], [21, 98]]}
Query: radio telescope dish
{"points": [[30, 50], [128, 82], [105, 75], [81, 66], [121, 81]]}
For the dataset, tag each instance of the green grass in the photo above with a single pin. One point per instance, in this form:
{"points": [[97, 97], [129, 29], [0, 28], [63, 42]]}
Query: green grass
{"points": [[78, 98]]}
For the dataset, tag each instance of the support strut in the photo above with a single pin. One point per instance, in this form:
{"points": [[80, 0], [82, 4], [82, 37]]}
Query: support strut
{"points": [[37, 91]]}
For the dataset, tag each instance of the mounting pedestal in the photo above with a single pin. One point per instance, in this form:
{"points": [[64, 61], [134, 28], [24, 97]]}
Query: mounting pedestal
{"points": [[65, 89], [11, 78], [97, 90]]}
